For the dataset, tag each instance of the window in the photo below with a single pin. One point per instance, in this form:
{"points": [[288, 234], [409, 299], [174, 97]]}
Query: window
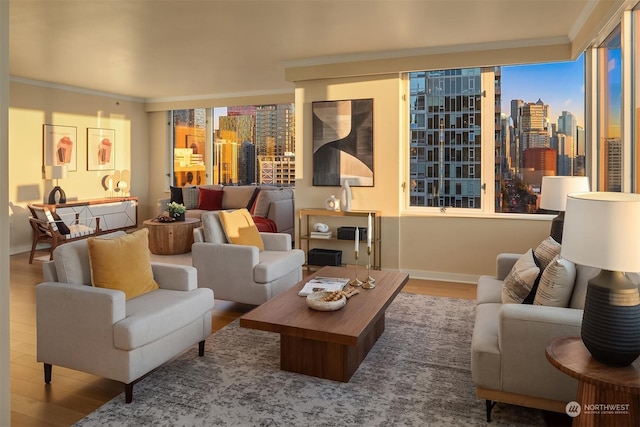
{"points": [[246, 145], [189, 147], [442, 103], [609, 146], [511, 125]]}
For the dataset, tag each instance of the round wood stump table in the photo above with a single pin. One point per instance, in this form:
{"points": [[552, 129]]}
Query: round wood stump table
{"points": [[171, 238], [607, 395]]}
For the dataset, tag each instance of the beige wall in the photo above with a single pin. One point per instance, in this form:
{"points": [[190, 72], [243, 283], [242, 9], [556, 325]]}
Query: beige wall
{"points": [[31, 106], [438, 246]]}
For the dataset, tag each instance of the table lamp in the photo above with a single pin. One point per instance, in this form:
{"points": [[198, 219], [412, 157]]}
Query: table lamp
{"points": [[57, 172], [602, 230], [554, 192]]}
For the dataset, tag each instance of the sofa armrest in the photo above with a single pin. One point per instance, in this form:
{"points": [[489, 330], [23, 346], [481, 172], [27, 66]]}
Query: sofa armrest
{"points": [[75, 316], [161, 206], [276, 241], [523, 334], [175, 277], [198, 235], [504, 264], [282, 213], [224, 255]]}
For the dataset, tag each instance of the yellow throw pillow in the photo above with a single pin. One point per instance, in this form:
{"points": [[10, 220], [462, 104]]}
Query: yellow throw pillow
{"points": [[122, 263], [240, 228]]}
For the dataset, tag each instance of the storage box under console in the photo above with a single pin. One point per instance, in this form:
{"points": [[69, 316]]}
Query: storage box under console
{"points": [[318, 256], [349, 233]]}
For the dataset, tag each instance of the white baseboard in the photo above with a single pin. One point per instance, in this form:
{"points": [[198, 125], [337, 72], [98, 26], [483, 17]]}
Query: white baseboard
{"points": [[443, 276]]}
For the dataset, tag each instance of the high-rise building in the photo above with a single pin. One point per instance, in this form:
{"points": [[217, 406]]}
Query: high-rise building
{"points": [[445, 140], [579, 162], [278, 170], [275, 130], [533, 125], [247, 163], [538, 162], [567, 124], [612, 178], [225, 162], [237, 128]]}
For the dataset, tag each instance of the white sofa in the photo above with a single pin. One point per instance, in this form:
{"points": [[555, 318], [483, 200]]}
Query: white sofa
{"points": [[273, 203], [95, 330], [243, 273], [508, 361]]}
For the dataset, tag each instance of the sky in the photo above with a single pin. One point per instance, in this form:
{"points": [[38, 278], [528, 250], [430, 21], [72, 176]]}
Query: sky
{"points": [[560, 85]]}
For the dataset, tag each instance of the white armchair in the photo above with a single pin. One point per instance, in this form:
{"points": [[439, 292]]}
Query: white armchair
{"points": [[95, 330], [243, 273]]}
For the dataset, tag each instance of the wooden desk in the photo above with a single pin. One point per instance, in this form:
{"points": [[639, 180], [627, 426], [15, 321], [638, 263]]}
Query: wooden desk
{"points": [[327, 344], [608, 395], [171, 238]]}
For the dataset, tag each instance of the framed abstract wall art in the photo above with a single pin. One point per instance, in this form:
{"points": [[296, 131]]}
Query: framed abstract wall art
{"points": [[101, 149], [343, 142], [59, 146]]}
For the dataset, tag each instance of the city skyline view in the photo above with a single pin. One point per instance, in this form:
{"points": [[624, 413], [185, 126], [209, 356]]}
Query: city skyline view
{"points": [[559, 85]]}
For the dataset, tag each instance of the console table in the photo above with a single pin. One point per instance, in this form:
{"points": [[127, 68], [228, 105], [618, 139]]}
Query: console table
{"points": [[307, 217], [115, 213]]}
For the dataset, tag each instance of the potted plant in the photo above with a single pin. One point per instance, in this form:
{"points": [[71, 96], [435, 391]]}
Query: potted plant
{"points": [[176, 210]]}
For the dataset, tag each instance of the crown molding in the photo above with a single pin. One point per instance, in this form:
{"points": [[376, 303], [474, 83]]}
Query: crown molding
{"points": [[427, 51], [58, 86]]}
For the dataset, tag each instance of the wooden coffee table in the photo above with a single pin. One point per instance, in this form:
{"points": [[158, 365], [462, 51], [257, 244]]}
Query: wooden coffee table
{"points": [[327, 344], [171, 238]]}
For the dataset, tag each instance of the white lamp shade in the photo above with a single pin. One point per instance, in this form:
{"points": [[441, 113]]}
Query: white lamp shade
{"points": [[554, 190], [602, 229], [56, 172]]}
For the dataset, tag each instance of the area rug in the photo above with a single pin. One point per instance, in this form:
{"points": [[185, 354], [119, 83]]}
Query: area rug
{"points": [[417, 374]]}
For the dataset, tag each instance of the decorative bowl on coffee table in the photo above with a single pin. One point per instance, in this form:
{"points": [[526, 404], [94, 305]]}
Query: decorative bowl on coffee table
{"points": [[315, 301]]}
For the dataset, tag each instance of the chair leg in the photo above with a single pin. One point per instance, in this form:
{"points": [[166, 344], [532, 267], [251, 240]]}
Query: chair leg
{"points": [[128, 393], [201, 348], [489, 405], [33, 250], [47, 373]]}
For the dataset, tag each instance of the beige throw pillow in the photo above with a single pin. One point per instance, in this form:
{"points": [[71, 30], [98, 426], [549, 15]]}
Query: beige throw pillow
{"points": [[546, 251], [556, 283], [520, 280]]}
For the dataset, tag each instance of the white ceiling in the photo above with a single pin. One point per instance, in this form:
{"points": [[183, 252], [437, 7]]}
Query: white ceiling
{"points": [[161, 49]]}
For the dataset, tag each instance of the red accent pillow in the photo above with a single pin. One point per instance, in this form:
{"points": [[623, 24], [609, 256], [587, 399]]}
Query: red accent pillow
{"points": [[210, 200]]}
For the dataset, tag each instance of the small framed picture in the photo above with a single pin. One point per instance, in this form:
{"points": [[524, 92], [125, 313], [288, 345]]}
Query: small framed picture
{"points": [[59, 146], [101, 149]]}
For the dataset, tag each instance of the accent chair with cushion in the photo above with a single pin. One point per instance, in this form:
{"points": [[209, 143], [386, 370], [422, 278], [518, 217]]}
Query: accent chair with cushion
{"points": [[518, 312], [235, 266], [48, 227], [105, 309]]}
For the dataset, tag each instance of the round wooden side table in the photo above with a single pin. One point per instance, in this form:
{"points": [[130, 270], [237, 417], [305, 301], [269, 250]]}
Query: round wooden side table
{"points": [[171, 238], [607, 395]]}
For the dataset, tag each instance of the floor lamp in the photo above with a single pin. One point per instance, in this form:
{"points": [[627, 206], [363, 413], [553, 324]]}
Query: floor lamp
{"points": [[57, 172], [553, 197], [602, 230]]}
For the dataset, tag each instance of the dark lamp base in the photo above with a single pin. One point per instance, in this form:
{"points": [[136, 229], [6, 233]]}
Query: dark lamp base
{"points": [[611, 319], [557, 226], [62, 197]]}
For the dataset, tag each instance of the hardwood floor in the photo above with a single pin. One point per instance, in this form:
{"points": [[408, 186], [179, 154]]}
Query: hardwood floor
{"points": [[73, 394]]}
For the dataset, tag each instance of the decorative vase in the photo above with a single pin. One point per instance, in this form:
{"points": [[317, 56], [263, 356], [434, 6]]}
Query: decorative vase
{"points": [[611, 319], [345, 196], [332, 204], [180, 217]]}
